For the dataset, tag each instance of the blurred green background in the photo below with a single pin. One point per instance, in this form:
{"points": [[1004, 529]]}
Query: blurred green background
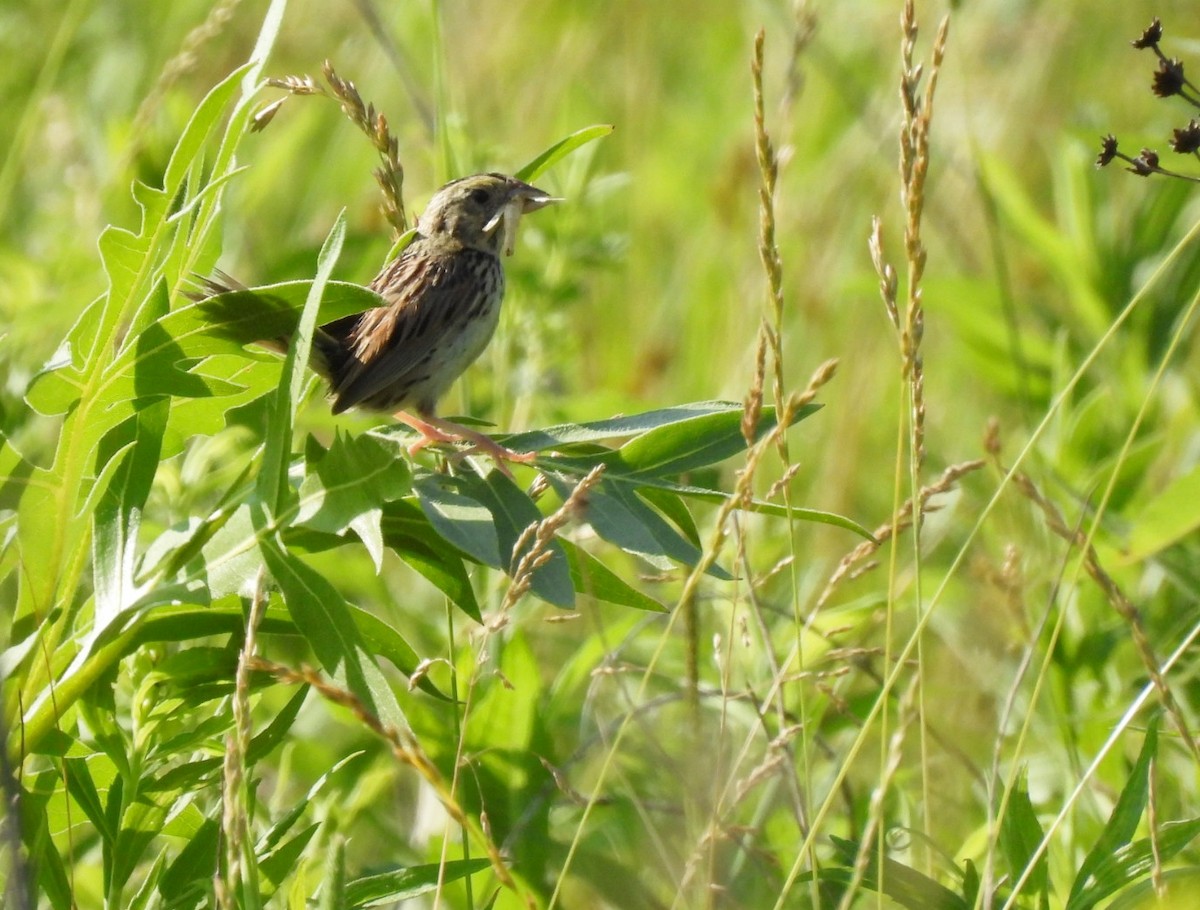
{"points": [[645, 288]]}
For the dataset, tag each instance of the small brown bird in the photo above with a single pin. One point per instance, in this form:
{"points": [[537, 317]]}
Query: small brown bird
{"points": [[443, 298]]}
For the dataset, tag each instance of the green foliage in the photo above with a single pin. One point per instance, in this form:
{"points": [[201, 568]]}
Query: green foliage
{"points": [[678, 684]]}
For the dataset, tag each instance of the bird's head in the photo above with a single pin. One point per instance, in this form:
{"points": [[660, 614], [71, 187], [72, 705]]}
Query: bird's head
{"points": [[481, 211]]}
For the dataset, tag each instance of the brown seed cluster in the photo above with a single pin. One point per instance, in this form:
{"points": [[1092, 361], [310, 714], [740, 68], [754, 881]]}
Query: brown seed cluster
{"points": [[1169, 81]]}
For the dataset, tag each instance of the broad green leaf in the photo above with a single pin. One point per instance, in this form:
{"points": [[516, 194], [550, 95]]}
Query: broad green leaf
{"points": [[402, 884], [52, 879], [513, 511], [617, 427], [594, 579], [561, 149], [672, 505], [83, 790], [408, 532], [231, 320], [1168, 518], [324, 619], [615, 522], [618, 515], [117, 517], [195, 863], [696, 443], [459, 519], [231, 557], [347, 487]]}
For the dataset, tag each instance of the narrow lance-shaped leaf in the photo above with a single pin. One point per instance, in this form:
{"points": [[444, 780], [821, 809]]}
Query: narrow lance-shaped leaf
{"points": [[1125, 817], [323, 618], [272, 479]]}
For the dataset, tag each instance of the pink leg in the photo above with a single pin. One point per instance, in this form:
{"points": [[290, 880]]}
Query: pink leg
{"points": [[434, 430]]}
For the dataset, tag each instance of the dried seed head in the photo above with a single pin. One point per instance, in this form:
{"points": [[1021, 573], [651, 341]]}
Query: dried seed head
{"points": [[1108, 150], [1187, 140], [1151, 36], [1168, 78]]}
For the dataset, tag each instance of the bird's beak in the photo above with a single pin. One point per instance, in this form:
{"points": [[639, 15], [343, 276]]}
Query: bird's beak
{"points": [[531, 197], [522, 198]]}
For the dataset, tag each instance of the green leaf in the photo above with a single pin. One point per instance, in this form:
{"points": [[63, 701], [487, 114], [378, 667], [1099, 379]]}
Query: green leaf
{"points": [[458, 518], [333, 883], [281, 861], [1131, 861], [1021, 838], [615, 427], [594, 579], [1168, 518], [347, 486], [698, 442], [231, 320], [1123, 822], [117, 517], [324, 619], [512, 512], [409, 533], [272, 483], [904, 885], [83, 790], [402, 884], [561, 149], [45, 860]]}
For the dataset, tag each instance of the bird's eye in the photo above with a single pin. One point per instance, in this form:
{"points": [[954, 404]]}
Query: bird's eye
{"points": [[480, 196]]}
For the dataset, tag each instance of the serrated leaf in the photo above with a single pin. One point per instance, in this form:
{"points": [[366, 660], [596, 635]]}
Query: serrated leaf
{"points": [[348, 486]]}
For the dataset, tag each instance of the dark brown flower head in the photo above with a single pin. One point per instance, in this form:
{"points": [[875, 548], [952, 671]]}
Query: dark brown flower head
{"points": [[1144, 164], [1187, 140], [1108, 150], [1151, 36], [1168, 79]]}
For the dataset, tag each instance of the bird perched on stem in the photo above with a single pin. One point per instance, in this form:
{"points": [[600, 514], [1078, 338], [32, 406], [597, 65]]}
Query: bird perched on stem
{"points": [[443, 295]]}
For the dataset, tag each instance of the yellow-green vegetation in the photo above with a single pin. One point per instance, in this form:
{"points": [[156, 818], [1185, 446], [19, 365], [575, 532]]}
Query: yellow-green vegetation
{"points": [[858, 565]]}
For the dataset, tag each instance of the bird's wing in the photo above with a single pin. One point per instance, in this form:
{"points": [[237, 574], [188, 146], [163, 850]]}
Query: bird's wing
{"points": [[397, 343]]}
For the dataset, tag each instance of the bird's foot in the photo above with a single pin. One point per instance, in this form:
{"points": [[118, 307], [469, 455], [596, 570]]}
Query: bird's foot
{"points": [[435, 430]]}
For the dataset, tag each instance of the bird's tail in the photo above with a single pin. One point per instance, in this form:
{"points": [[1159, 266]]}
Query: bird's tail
{"points": [[255, 317]]}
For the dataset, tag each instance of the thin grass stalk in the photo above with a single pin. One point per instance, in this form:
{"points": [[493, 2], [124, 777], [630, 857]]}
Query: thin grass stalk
{"points": [[240, 879], [771, 331], [184, 61], [530, 552], [406, 750]]}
